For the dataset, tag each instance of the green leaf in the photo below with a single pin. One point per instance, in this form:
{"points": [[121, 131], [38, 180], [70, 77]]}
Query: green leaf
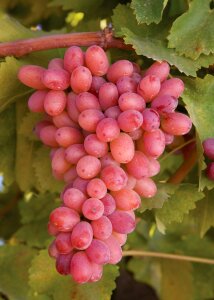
{"points": [[151, 41], [179, 204], [198, 22], [203, 281], [14, 264], [44, 279], [177, 280], [148, 11], [27, 125], [198, 97], [163, 193], [43, 172]]}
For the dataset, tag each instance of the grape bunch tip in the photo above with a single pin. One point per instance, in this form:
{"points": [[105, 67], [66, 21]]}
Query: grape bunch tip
{"points": [[106, 125]]}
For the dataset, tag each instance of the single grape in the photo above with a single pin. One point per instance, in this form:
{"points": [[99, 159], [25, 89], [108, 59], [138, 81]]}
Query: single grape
{"points": [[96, 84], [160, 69], [119, 69], [117, 146], [122, 222], [71, 107], [120, 237], [63, 243], [149, 87], [210, 171], [102, 228], [146, 187], [98, 252], [74, 198], [164, 104], [81, 184], [96, 60], [67, 136], [154, 166], [126, 199], [93, 208], [107, 130], [52, 230], [130, 182], [52, 250], [31, 76], [59, 163], [114, 177], [55, 102], [94, 146], [130, 120], [173, 87], [130, 100], [73, 58], [64, 218], [107, 160], [97, 271], [115, 250], [108, 95], [47, 136], [151, 120], [36, 101], [153, 143], [82, 235], [208, 146], [176, 123], [113, 112], [40, 125], [56, 64], [96, 188], [80, 267], [63, 263], [126, 84], [138, 166], [89, 119], [63, 120], [88, 167], [70, 175], [87, 100], [74, 152], [56, 79], [81, 79]]}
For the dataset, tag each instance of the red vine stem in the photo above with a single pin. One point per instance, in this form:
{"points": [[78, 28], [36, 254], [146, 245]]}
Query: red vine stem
{"points": [[104, 38]]}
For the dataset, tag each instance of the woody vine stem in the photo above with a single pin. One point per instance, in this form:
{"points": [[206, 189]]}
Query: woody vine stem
{"points": [[106, 40]]}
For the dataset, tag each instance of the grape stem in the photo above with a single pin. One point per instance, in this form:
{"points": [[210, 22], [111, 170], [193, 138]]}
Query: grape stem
{"points": [[169, 256], [104, 39]]}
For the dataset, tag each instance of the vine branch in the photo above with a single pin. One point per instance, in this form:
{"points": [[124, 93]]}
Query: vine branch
{"points": [[169, 256], [104, 39]]}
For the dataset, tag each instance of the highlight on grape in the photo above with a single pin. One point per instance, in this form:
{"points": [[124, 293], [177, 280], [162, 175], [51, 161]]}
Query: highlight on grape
{"points": [[106, 126]]}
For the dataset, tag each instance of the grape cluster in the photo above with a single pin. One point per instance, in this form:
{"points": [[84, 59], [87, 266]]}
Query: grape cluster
{"points": [[208, 146], [106, 125]]}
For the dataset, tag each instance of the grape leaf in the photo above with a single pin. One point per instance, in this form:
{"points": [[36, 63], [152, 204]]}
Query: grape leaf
{"points": [[27, 125], [203, 276], [43, 172], [198, 22], [177, 280], [151, 41], [179, 204], [14, 264], [44, 279], [163, 193], [148, 11], [82, 5], [198, 97]]}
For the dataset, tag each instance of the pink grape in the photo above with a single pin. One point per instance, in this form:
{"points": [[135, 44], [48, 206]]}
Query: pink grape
{"points": [[66, 136], [109, 204], [72, 108], [63, 120], [81, 184], [96, 188], [52, 230], [117, 146], [82, 235], [56, 64], [146, 187], [74, 152], [122, 222], [153, 143], [88, 167], [107, 160], [74, 198], [89, 118], [149, 87], [115, 250], [164, 104], [151, 120], [126, 84], [138, 166], [59, 163], [107, 130], [160, 69], [210, 171], [39, 126], [36, 101], [97, 272], [63, 242], [81, 79], [57, 175], [64, 218], [98, 252], [136, 77], [94, 146], [136, 134], [208, 146], [113, 112], [131, 182], [70, 175], [96, 60], [114, 177], [87, 100], [73, 58], [169, 138], [96, 84], [126, 199], [154, 166], [56, 79], [119, 69], [47, 136], [63, 263], [173, 87], [93, 208], [176, 123], [120, 237], [52, 250], [31, 76], [102, 228], [55, 102], [108, 95], [80, 274], [130, 120], [131, 101]]}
